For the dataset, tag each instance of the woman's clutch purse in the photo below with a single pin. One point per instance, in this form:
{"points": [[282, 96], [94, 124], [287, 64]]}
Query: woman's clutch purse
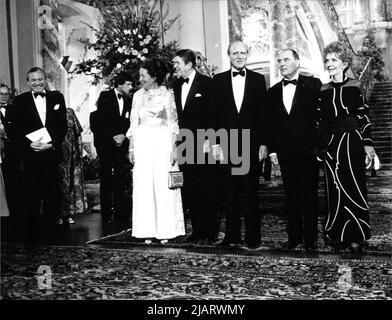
{"points": [[374, 164], [176, 179]]}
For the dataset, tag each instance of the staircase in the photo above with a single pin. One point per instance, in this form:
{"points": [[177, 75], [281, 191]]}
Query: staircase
{"points": [[380, 102]]}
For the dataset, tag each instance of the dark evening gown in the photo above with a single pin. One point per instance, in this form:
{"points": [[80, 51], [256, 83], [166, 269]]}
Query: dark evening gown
{"points": [[344, 130]]}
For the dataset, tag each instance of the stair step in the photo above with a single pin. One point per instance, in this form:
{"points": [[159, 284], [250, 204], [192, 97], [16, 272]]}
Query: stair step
{"points": [[380, 144], [376, 88], [381, 114], [378, 96], [381, 108], [381, 125]]}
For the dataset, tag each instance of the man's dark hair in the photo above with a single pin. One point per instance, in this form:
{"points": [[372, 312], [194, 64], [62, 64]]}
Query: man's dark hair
{"points": [[294, 53], [187, 55], [156, 69], [4, 85], [35, 69], [121, 78]]}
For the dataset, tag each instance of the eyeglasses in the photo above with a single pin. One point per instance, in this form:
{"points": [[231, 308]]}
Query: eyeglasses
{"points": [[4, 94]]}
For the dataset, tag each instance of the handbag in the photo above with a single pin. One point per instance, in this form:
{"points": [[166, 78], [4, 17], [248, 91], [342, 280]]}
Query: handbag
{"points": [[374, 164], [176, 179]]}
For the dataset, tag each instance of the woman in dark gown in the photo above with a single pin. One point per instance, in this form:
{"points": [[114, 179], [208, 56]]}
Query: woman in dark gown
{"points": [[72, 184], [345, 138]]}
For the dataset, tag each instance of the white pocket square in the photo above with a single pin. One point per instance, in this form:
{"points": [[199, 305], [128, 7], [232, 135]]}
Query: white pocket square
{"points": [[56, 107], [197, 95]]}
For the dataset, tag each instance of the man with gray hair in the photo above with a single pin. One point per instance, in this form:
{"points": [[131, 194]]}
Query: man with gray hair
{"points": [[9, 154], [239, 107]]}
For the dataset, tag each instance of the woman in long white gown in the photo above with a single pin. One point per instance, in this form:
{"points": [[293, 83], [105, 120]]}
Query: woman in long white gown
{"points": [[157, 210]]}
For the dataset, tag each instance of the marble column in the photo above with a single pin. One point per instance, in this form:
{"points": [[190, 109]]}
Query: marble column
{"points": [[4, 45], [192, 31]]}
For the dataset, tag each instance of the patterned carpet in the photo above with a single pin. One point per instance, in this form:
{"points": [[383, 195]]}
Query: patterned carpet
{"points": [[273, 232], [98, 273]]}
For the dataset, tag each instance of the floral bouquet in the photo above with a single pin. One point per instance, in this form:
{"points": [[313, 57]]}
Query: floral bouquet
{"points": [[128, 34]]}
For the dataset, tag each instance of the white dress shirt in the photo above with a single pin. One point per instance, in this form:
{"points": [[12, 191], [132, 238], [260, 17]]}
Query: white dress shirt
{"points": [[288, 93], [40, 104], [2, 109], [186, 87], [238, 83], [288, 96], [120, 101]]}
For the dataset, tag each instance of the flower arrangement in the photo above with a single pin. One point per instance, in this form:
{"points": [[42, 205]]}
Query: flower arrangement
{"points": [[128, 34]]}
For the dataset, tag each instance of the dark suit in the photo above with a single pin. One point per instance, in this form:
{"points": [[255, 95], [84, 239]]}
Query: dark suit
{"points": [[293, 138], [40, 169], [106, 123], [198, 192], [251, 116], [10, 159]]}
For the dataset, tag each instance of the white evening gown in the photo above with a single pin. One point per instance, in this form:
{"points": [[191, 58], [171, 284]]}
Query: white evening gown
{"points": [[157, 210], [4, 212]]}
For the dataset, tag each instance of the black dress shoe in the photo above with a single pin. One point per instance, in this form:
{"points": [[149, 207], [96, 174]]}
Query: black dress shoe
{"points": [[228, 244], [253, 246], [356, 249], [211, 240], [339, 246], [289, 245], [311, 248], [193, 238]]}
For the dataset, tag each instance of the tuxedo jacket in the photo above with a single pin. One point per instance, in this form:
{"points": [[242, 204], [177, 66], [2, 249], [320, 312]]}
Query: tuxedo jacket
{"points": [[252, 114], [106, 121], [293, 136], [27, 120], [194, 115], [8, 121]]}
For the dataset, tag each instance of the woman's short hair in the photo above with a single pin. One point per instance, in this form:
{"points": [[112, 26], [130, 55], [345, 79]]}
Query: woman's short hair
{"points": [[156, 68], [341, 51]]}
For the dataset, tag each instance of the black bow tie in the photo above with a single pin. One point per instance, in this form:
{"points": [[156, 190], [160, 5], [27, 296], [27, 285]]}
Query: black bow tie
{"points": [[286, 82], [120, 96], [241, 73], [185, 80], [42, 94]]}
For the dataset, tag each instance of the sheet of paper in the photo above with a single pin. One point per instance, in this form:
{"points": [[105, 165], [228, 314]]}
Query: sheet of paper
{"points": [[42, 134]]}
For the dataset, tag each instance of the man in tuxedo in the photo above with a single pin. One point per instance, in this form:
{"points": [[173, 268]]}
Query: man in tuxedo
{"points": [[9, 155], [192, 94], [109, 125], [292, 105], [40, 109], [239, 104]]}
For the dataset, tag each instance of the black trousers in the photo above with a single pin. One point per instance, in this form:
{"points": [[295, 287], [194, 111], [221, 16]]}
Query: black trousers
{"points": [[112, 182], [41, 191], [300, 180], [247, 185], [199, 196]]}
